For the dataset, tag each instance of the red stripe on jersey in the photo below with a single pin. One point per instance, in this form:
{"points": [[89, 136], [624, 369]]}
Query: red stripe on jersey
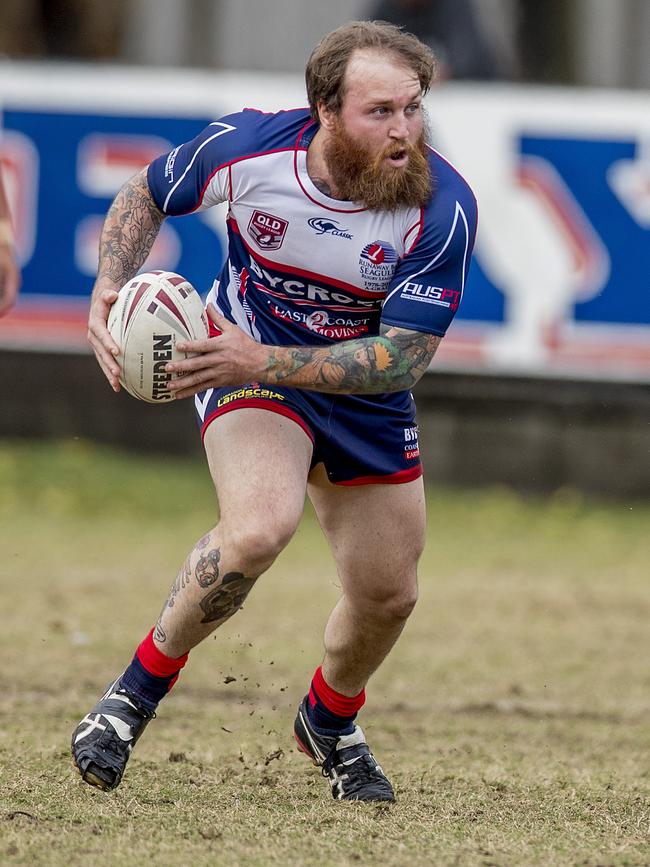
{"points": [[301, 134], [316, 201], [308, 302], [243, 282], [298, 148], [419, 226]]}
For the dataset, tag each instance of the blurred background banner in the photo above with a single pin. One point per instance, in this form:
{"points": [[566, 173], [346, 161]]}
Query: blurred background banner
{"points": [[560, 282]]}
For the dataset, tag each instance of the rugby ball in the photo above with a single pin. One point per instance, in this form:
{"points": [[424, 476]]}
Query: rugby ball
{"points": [[153, 312]]}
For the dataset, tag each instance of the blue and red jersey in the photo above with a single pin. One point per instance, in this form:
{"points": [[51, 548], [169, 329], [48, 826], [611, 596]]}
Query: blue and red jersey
{"points": [[303, 268]]}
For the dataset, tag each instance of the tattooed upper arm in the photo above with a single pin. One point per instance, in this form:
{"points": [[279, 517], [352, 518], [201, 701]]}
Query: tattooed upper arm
{"points": [[131, 227]]}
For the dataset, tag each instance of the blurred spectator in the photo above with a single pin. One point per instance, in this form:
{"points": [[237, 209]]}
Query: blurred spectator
{"points": [[547, 39], [61, 28], [452, 29]]}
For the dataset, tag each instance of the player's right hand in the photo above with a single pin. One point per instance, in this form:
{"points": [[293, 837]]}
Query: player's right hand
{"points": [[104, 347]]}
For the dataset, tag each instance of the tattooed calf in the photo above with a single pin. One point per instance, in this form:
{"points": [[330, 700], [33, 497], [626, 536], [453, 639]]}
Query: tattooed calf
{"points": [[159, 633], [182, 580], [207, 568], [222, 602]]}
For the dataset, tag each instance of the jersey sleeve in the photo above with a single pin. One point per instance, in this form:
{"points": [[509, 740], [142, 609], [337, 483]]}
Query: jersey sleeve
{"points": [[428, 283], [195, 175]]}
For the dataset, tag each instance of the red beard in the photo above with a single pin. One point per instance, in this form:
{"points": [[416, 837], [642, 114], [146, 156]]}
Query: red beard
{"points": [[373, 182]]}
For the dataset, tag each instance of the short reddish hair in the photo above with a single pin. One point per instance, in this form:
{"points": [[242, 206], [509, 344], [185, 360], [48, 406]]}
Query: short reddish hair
{"points": [[325, 71]]}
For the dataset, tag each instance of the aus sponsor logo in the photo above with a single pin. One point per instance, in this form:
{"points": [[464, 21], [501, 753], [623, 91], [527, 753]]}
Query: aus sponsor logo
{"points": [[267, 230], [431, 295], [328, 227], [377, 263], [320, 322]]}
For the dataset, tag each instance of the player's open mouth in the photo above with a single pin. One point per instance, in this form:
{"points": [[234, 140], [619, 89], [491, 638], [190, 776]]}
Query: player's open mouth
{"points": [[398, 158]]}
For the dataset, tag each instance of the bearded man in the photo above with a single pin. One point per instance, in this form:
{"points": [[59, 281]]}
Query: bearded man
{"points": [[349, 244]]}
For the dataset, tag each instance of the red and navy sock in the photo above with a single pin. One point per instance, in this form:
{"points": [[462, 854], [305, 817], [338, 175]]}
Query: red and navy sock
{"points": [[331, 710], [151, 674]]}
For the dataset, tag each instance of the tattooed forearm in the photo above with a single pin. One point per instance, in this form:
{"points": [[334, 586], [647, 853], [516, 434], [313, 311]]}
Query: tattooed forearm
{"points": [[393, 360], [416, 349], [222, 602], [130, 228]]}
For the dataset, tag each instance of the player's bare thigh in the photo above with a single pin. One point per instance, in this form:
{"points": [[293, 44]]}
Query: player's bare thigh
{"points": [[376, 533], [259, 462]]}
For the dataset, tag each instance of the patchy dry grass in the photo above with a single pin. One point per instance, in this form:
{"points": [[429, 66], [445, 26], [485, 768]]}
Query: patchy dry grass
{"points": [[513, 716]]}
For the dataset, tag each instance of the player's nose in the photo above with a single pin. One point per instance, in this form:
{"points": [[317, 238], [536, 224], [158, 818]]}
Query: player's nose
{"points": [[399, 128], [399, 132]]}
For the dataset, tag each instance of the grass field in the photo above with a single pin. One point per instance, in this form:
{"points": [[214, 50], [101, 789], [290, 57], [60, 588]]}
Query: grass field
{"points": [[512, 717]]}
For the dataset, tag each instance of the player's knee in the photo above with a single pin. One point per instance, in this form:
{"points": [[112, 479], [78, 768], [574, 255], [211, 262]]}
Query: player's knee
{"points": [[400, 606], [257, 545], [393, 605]]}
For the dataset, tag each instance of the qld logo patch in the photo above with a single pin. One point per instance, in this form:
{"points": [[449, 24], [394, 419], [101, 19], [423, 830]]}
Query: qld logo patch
{"points": [[377, 264], [267, 231]]}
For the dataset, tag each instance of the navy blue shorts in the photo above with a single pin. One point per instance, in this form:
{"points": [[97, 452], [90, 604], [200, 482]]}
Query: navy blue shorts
{"points": [[360, 439]]}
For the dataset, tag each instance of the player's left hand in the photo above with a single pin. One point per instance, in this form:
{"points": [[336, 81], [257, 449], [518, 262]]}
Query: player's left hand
{"points": [[232, 358]]}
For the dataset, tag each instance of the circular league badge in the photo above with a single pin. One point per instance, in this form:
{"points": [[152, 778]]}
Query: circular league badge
{"points": [[377, 264]]}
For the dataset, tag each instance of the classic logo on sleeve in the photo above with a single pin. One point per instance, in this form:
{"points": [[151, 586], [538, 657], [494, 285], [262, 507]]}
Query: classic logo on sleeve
{"points": [[377, 264], [267, 231]]}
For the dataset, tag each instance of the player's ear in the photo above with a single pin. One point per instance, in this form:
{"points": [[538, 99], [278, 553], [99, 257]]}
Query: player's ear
{"points": [[326, 116]]}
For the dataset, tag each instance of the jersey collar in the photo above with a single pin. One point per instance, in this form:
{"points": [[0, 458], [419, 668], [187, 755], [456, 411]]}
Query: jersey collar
{"points": [[305, 138]]}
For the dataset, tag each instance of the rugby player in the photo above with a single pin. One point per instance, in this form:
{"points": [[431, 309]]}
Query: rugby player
{"points": [[349, 244]]}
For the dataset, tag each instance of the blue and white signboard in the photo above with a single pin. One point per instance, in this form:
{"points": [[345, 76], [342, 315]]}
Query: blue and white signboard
{"points": [[560, 282]]}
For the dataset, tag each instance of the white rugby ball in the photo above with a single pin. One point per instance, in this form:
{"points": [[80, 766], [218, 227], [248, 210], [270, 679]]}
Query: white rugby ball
{"points": [[153, 312]]}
